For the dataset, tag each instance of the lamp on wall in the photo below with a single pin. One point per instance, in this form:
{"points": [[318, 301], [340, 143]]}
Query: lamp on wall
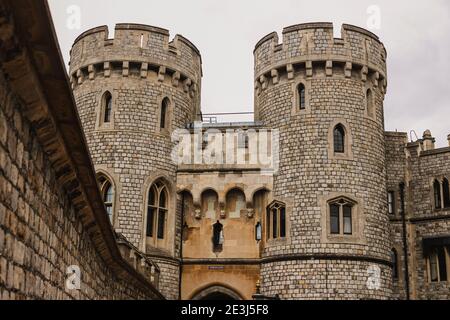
{"points": [[258, 232]]}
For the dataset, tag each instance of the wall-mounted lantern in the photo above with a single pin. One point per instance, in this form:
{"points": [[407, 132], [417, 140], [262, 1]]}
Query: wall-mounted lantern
{"points": [[258, 232]]}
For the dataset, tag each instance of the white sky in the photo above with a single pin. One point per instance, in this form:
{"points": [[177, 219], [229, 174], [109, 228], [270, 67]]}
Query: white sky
{"points": [[415, 33]]}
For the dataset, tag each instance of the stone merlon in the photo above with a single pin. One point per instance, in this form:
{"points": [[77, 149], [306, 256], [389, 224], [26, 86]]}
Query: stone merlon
{"points": [[315, 42]]}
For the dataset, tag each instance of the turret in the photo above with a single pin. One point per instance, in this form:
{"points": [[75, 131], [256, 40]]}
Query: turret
{"points": [[132, 92], [325, 95]]}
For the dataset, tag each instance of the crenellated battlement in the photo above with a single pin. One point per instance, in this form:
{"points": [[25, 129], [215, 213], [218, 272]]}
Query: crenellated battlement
{"points": [[313, 44], [136, 46]]}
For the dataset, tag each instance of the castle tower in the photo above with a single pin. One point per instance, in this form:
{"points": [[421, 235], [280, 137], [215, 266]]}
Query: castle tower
{"points": [[325, 95], [132, 92]]}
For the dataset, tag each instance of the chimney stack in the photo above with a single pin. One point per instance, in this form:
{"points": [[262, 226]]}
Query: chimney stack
{"points": [[448, 138]]}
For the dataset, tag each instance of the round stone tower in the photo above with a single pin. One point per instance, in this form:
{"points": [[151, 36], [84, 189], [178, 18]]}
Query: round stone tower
{"points": [[132, 92], [325, 95]]}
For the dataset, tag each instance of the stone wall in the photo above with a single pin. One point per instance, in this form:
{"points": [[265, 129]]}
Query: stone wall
{"points": [[41, 233], [396, 168], [424, 167], [416, 164]]}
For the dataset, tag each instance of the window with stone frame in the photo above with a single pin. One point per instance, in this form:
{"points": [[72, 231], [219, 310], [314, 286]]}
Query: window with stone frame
{"points": [[107, 191], [339, 139], [341, 216], [441, 194], [438, 261], [157, 209], [164, 116], [446, 193], [391, 202], [107, 107], [301, 91], [276, 221]]}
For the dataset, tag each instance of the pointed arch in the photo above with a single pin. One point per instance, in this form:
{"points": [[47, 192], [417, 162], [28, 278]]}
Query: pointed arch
{"points": [[108, 193], [301, 92], [210, 291], [107, 107], [340, 140], [165, 114], [437, 194], [446, 193], [157, 209], [276, 220]]}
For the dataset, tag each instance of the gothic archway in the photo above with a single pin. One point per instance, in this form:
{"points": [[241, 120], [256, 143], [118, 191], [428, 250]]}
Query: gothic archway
{"points": [[217, 293]]}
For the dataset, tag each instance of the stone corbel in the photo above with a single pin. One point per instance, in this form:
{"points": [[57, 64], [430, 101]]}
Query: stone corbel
{"points": [[263, 81], [275, 77], [348, 69], [329, 68], [290, 71], [384, 86], [176, 79], [257, 88], [250, 213], [364, 73], [193, 90], [107, 68], [125, 68], [91, 71], [376, 78], [161, 73], [309, 69], [186, 84], [223, 214], [144, 70], [80, 77]]}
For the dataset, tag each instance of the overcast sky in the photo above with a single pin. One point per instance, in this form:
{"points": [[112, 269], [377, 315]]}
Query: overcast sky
{"points": [[415, 33]]}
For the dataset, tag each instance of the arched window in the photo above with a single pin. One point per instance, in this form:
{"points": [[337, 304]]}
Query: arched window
{"points": [[437, 194], [341, 217], [276, 220], [157, 210], [218, 236], [107, 191], [339, 139], [446, 191], [394, 259], [165, 105], [107, 107], [369, 101], [301, 96]]}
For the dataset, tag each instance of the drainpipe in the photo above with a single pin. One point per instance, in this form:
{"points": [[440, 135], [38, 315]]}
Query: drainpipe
{"points": [[405, 242]]}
